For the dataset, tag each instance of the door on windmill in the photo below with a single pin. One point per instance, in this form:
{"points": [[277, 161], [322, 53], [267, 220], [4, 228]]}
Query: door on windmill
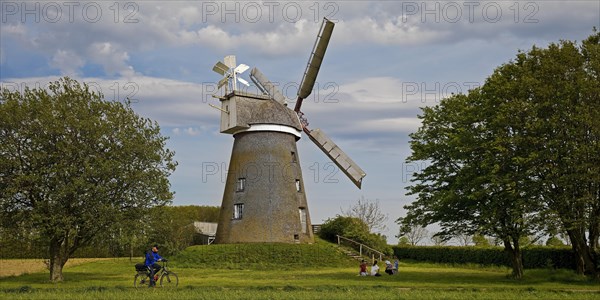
{"points": [[238, 211], [302, 211]]}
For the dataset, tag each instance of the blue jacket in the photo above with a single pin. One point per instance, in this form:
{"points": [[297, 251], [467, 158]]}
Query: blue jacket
{"points": [[151, 258]]}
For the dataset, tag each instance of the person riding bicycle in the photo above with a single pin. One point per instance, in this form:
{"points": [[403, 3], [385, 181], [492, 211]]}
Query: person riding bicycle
{"points": [[151, 258]]}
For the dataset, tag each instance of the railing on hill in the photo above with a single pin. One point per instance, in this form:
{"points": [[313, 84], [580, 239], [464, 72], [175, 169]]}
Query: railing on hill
{"points": [[362, 248]]}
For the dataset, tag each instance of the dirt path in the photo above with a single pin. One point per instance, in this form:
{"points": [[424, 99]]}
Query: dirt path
{"points": [[14, 267]]}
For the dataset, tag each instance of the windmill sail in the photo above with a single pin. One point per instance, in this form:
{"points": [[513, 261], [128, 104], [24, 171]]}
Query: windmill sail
{"points": [[314, 62], [261, 80], [339, 157]]}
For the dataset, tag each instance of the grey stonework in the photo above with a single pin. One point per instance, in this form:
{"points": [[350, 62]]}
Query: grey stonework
{"points": [[268, 164]]}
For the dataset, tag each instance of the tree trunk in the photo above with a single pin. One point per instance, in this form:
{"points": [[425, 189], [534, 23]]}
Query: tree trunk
{"points": [[584, 258], [516, 257], [58, 259]]}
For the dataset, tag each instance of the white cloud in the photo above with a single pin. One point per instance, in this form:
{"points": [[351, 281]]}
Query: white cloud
{"points": [[389, 125], [113, 59], [284, 39], [67, 62], [192, 131]]}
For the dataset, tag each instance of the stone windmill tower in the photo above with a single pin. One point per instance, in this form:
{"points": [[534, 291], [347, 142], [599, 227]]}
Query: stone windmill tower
{"points": [[264, 198]]}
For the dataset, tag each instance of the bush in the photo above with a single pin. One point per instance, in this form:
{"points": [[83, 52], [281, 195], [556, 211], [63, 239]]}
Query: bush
{"points": [[354, 229], [533, 257]]}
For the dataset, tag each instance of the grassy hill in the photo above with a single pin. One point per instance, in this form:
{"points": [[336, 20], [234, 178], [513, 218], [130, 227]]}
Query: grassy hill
{"points": [[264, 256]]}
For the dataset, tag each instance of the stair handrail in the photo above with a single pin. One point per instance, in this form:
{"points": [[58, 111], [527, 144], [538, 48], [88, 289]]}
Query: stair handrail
{"points": [[361, 245]]}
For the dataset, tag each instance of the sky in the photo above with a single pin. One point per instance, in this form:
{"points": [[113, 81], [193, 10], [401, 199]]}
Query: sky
{"points": [[385, 60]]}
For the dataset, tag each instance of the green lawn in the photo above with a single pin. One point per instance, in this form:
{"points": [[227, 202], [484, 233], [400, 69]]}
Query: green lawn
{"points": [[222, 278]]}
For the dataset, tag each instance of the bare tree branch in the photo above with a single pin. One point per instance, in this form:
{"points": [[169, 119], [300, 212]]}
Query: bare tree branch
{"points": [[369, 212]]}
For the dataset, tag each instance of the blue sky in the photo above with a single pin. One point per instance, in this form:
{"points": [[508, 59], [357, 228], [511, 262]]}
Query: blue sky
{"points": [[385, 60]]}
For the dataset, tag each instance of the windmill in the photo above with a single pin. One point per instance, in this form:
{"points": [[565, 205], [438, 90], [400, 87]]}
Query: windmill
{"points": [[264, 198], [230, 72]]}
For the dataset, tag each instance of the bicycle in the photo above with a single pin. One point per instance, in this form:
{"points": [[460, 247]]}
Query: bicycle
{"points": [[166, 278]]}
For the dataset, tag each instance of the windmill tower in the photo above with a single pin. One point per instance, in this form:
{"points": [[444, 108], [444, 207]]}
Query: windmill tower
{"points": [[264, 198]]}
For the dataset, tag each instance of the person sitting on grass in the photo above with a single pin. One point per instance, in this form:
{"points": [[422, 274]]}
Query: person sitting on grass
{"points": [[363, 268], [389, 268], [375, 269]]}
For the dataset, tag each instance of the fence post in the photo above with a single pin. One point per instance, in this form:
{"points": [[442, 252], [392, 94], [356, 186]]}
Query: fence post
{"points": [[360, 249], [338, 240]]}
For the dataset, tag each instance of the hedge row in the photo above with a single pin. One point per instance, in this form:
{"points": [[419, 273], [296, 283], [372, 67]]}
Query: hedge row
{"points": [[533, 257]]}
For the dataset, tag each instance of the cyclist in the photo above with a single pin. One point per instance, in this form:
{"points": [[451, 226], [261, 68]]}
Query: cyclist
{"points": [[151, 258]]}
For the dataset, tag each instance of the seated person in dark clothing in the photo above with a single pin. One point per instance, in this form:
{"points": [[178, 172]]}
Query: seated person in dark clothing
{"points": [[389, 268]]}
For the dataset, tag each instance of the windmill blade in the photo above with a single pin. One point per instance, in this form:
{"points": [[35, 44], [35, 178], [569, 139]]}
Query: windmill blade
{"points": [[220, 68], [259, 86], [244, 82], [339, 157], [223, 82], [241, 68], [314, 62], [230, 61], [262, 81]]}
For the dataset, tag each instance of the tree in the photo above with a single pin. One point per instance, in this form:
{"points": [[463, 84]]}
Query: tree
{"points": [[369, 212], [517, 151], [463, 239], [403, 241], [437, 240], [73, 164], [558, 88], [480, 240], [470, 184], [175, 225], [415, 233]]}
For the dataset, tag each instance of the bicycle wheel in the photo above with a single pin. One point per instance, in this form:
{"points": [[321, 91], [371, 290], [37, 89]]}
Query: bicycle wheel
{"points": [[169, 280], [141, 280]]}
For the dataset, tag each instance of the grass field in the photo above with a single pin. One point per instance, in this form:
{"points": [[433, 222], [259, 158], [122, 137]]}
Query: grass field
{"points": [[260, 272]]}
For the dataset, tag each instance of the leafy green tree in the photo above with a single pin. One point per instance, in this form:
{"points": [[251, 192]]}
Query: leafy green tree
{"points": [[558, 88], [173, 226], [404, 241], [73, 164], [480, 241], [516, 152], [470, 184]]}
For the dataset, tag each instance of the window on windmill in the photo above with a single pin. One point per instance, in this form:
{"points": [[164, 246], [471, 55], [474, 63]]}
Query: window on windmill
{"points": [[302, 211], [241, 185], [238, 211], [298, 185], [293, 156]]}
